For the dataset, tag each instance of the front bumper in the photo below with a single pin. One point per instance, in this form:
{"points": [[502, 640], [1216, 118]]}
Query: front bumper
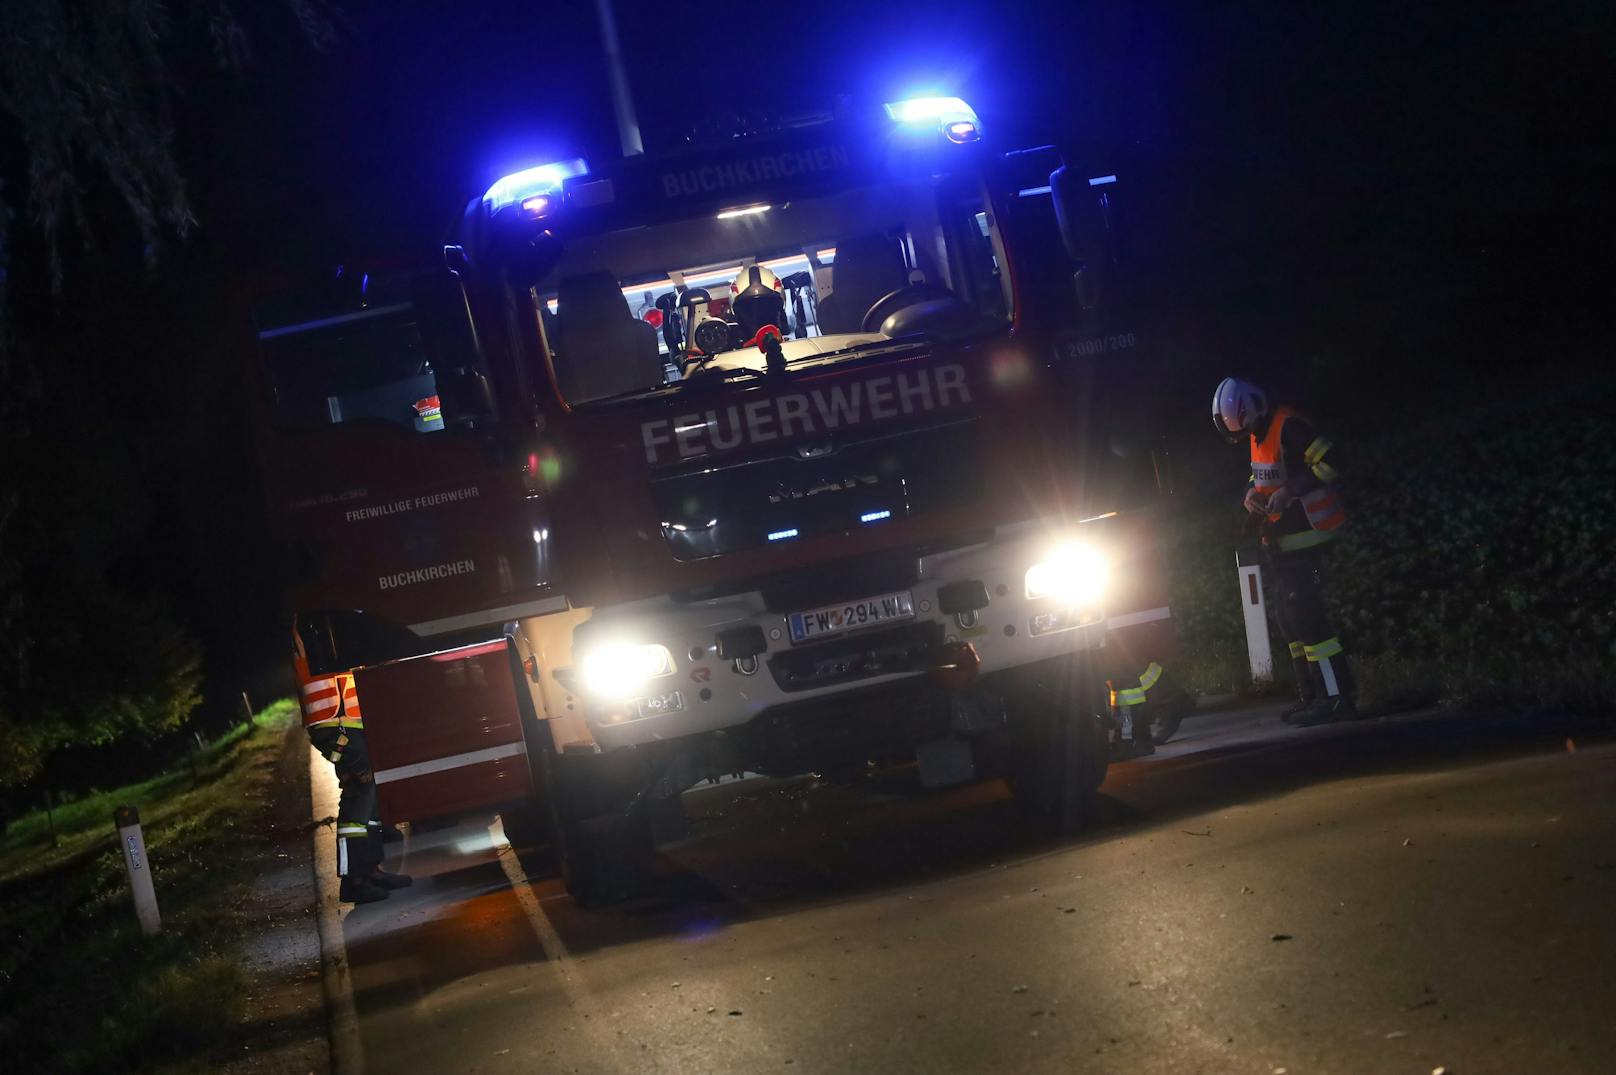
{"points": [[705, 694]]}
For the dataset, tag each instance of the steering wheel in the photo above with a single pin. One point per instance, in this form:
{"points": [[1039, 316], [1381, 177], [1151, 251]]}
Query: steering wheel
{"points": [[893, 301]]}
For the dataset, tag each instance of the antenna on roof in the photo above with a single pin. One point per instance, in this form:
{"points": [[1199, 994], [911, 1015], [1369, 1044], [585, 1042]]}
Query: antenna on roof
{"points": [[628, 124]]}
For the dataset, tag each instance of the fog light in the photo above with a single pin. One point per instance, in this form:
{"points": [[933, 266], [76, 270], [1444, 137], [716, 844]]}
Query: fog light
{"points": [[623, 671], [1074, 574]]}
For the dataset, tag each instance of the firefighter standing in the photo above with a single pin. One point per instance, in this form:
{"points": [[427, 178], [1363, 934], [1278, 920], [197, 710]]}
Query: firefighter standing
{"points": [[336, 727], [1293, 487]]}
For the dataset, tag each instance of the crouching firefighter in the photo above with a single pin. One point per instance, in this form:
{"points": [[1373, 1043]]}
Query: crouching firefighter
{"points": [[1292, 487], [336, 727]]}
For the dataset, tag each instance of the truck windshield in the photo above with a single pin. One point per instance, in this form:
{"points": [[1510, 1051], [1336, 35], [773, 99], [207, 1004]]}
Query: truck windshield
{"points": [[633, 310], [367, 364]]}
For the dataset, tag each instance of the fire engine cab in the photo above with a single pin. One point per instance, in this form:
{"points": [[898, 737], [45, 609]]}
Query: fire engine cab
{"points": [[803, 451]]}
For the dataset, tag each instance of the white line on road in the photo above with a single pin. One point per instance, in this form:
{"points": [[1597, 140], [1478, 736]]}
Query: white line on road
{"points": [[347, 1054], [555, 949]]}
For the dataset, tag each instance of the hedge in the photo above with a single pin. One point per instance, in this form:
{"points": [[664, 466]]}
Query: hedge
{"points": [[1476, 564]]}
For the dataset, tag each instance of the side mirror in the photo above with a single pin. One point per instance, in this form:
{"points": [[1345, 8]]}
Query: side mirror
{"points": [[466, 396], [1083, 213]]}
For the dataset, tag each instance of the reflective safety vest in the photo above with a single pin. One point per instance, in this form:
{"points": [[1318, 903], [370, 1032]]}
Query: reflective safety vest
{"points": [[326, 701], [1322, 506]]}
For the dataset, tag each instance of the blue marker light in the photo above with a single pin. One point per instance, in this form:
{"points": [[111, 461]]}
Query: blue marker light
{"points": [[1102, 180], [875, 516], [532, 182], [939, 110], [781, 535]]}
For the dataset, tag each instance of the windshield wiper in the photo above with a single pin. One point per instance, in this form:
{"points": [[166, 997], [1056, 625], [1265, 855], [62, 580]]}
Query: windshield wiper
{"points": [[715, 375], [912, 340]]}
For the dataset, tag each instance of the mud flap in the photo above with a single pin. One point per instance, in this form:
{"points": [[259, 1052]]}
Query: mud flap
{"points": [[445, 733]]}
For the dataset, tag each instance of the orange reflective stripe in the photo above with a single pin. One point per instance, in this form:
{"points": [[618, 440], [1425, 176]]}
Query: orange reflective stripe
{"points": [[351, 716], [1324, 511], [319, 699]]}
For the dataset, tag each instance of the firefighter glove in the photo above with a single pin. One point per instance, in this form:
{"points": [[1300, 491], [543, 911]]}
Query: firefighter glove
{"points": [[1255, 502], [1281, 500]]}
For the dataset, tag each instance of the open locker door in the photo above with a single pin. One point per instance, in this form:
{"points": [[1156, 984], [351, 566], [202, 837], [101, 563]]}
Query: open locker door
{"points": [[445, 733]]}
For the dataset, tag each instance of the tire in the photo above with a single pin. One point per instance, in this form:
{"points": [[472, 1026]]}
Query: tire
{"points": [[608, 858], [1058, 746], [604, 842], [1166, 725]]}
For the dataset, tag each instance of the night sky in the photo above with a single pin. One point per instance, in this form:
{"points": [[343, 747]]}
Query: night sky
{"points": [[1407, 188]]}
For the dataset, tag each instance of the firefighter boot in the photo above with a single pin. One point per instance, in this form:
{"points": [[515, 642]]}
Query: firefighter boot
{"points": [[374, 854], [1335, 700], [353, 864], [1306, 689]]}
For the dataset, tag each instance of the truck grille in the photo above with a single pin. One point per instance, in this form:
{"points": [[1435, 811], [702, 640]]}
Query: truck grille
{"points": [[861, 656], [817, 488]]}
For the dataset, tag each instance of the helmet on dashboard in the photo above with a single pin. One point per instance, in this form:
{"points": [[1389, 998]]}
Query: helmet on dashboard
{"points": [[757, 299]]}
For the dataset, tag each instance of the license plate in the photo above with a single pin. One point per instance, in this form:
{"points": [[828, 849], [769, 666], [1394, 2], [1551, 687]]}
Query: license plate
{"points": [[850, 616]]}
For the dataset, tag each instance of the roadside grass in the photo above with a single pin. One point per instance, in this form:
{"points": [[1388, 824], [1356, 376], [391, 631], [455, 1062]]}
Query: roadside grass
{"points": [[80, 988]]}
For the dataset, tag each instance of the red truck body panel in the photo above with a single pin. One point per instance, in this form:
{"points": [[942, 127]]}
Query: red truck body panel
{"points": [[445, 732]]}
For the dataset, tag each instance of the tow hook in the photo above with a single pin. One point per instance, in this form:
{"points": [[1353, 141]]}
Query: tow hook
{"points": [[954, 665]]}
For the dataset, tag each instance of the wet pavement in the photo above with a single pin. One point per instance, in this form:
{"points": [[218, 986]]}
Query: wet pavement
{"points": [[1392, 895]]}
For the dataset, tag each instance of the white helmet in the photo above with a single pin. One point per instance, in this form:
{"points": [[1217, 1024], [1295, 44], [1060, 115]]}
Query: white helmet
{"points": [[1237, 407], [757, 298]]}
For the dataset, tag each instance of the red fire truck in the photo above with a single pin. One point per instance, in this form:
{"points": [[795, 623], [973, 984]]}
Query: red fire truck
{"points": [[803, 451]]}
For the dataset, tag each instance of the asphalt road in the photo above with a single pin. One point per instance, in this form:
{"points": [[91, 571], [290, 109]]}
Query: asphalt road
{"points": [[1397, 895]]}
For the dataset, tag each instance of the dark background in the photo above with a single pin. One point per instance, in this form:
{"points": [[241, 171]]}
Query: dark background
{"points": [[1378, 207]]}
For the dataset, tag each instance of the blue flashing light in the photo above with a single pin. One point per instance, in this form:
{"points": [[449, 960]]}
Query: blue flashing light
{"points": [[532, 182], [1033, 192], [1102, 180], [875, 516], [781, 535], [944, 112]]}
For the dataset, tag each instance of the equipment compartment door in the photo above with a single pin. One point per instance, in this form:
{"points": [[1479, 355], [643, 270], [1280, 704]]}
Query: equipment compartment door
{"points": [[445, 733]]}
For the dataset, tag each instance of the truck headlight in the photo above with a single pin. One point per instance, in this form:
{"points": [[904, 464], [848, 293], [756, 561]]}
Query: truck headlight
{"points": [[623, 671], [1074, 574]]}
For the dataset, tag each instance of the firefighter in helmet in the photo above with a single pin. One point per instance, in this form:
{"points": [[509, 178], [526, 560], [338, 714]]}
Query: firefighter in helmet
{"points": [[1293, 489], [332, 718]]}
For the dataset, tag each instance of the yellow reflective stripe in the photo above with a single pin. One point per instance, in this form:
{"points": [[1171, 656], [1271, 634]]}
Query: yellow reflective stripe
{"points": [[1130, 696], [352, 830], [353, 722], [1152, 674], [1298, 650], [1304, 540], [1328, 648], [1316, 450], [1324, 472]]}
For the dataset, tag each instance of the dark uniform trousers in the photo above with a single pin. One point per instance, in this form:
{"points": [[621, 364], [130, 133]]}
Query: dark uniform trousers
{"points": [[1305, 623], [359, 847]]}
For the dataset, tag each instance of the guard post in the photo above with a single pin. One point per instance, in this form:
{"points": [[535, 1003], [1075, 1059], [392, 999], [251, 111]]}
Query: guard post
{"points": [[133, 845], [1247, 560]]}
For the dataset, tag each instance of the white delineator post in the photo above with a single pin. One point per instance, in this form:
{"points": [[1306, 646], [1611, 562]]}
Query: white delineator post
{"points": [[1256, 611], [133, 845]]}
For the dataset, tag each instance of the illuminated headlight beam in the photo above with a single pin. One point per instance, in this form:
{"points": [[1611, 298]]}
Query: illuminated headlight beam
{"points": [[1073, 573]]}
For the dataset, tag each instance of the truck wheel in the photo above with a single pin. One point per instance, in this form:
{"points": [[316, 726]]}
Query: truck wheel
{"points": [[605, 845], [1058, 750], [607, 859]]}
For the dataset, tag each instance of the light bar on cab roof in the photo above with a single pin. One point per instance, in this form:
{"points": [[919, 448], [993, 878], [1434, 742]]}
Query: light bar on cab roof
{"points": [[533, 182], [951, 115], [938, 110]]}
